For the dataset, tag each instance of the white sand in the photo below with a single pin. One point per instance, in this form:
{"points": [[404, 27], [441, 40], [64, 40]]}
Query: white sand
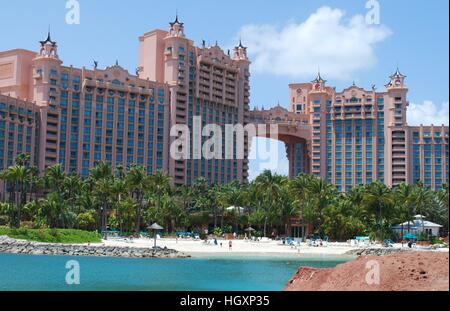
{"points": [[239, 247]]}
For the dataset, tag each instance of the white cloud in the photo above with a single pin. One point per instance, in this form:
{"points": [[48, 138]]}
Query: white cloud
{"points": [[428, 113], [326, 39]]}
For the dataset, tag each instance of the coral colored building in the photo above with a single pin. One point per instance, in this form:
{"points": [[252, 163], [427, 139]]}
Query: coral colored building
{"points": [[359, 136], [87, 116], [81, 116], [204, 82]]}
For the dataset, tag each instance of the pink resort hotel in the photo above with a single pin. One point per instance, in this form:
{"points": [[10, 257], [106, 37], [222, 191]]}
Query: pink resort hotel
{"points": [[78, 117]]}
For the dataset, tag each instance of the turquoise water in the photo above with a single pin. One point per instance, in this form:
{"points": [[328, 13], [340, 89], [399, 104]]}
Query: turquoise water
{"points": [[41, 273]]}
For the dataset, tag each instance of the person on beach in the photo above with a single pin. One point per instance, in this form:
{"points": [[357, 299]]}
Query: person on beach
{"points": [[230, 245]]}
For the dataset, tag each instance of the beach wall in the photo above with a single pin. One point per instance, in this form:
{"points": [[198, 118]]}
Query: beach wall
{"points": [[13, 246]]}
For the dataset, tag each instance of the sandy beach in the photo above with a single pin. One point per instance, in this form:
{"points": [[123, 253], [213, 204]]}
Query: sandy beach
{"points": [[196, 247]]}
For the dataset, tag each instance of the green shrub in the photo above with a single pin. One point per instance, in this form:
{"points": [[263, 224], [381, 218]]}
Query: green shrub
{"points": [[217, 231], [86, 221], [67, 236], [4, 220], [435, 240]]}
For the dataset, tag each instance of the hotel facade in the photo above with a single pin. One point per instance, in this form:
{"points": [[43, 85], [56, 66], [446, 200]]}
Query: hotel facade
{"points": [[359, 136], [77, 117]]}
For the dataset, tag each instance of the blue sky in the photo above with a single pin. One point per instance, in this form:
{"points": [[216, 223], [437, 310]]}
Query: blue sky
{"points": [[413, 34]]}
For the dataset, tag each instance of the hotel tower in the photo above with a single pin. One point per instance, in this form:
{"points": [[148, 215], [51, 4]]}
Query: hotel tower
{"points": [[204, 82], [78, 117], [359, 136]]}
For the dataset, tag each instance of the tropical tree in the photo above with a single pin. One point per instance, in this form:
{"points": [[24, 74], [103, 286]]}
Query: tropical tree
{"points": [[17, 178], [270, 189], [404, 202], [378, 201], [137, 182]]}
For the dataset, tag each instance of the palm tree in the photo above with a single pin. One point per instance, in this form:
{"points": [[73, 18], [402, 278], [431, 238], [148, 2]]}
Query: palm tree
{"points": [[17, 177], [299, 188], [270, 188], [22, 160], [102, 191], [377, 199], [54, 179], [99, 183], [160, 183], [185, 194], [101, 170], [118, 191], [442, 198], [138, 183], [423, 201], [405, 203], [35, 182], [72, 186], [320, 194], [235, 197]]}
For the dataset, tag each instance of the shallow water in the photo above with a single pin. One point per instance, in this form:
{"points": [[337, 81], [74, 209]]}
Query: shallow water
{"points": [[203, 272]]}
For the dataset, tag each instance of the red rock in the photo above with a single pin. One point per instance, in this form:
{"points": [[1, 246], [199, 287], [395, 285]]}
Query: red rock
{"points": [[430, 273]]}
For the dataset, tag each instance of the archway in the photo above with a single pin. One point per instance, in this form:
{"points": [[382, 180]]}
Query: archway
{"points": [[291, 129]]}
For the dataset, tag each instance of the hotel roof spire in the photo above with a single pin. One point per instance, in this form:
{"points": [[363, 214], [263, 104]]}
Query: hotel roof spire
{"points": [[398, 74], [176, 21], [49, 39], [319, 77], [241, 46]]}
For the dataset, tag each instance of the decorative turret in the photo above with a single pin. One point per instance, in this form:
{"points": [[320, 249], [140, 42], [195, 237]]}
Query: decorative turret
{"points": [[397, 80], [176, 28], [48, 48], [240, 52], [318, 82]]}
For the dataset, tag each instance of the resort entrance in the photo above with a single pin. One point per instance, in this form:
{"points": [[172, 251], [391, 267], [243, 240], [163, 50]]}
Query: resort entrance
{"points": [[298, 231]]}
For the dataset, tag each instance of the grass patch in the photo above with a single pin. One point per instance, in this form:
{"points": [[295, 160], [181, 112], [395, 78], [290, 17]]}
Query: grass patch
{"points": [[66, 236]]}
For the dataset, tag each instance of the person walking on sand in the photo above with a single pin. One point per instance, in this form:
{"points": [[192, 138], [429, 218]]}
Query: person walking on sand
{"points": [[230, 246]]}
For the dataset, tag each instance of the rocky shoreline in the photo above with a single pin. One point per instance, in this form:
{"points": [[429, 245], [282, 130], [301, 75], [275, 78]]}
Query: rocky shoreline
{"points": [[382, 251], [13, 246], [375, 251]]}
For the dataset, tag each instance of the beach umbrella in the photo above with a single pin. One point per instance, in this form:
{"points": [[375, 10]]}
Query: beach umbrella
{"points": [[249, 230], [155, 227]]}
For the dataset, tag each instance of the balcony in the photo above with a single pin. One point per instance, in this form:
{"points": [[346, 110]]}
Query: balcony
{"points": [[116, 87]]}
